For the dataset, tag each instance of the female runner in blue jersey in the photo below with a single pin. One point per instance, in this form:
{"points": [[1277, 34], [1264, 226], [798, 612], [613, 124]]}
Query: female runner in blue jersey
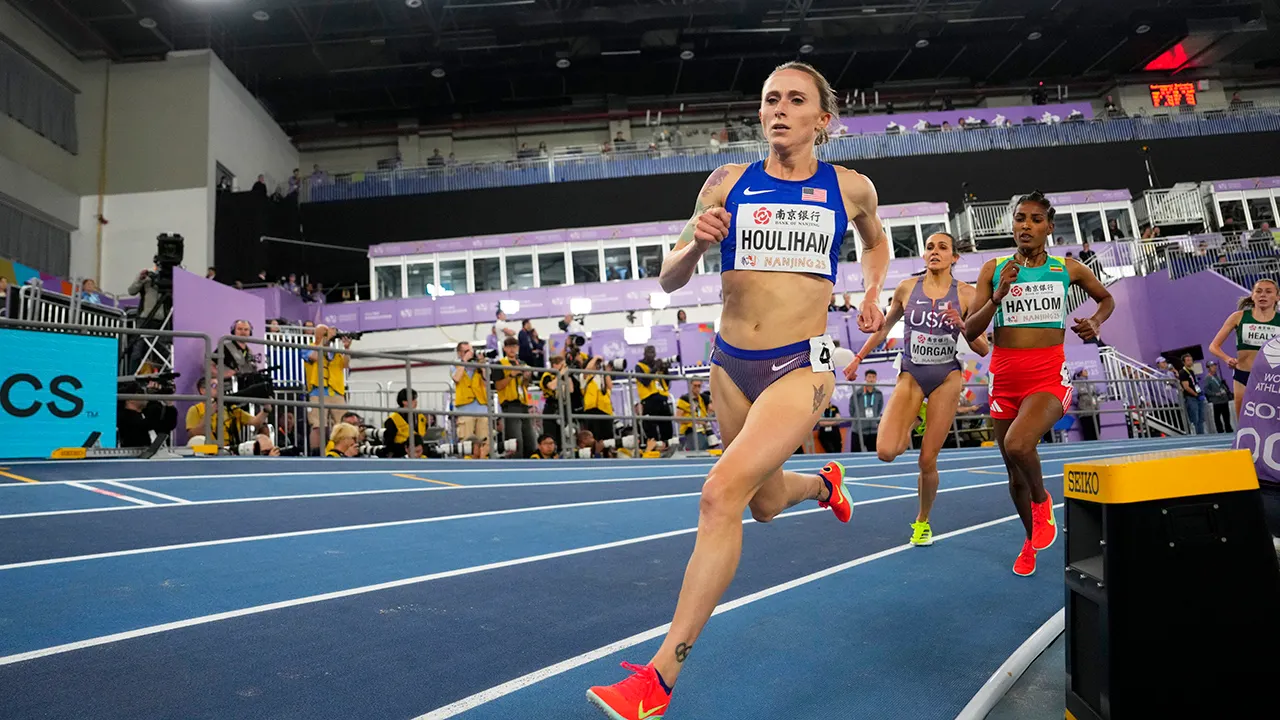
{"points": [[777, 225], [933, 306], [1030, 386]]}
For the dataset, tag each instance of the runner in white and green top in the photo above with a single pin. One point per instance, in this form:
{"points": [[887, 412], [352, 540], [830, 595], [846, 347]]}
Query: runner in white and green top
{"points": [[1253, 324]]}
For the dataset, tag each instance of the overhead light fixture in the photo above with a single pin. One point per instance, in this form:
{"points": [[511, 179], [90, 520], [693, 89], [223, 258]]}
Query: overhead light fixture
{"points": [[510, 307], [413, 3], [659, 300], [686, 54], [922, 43], [580, 305], [1034, 35], [1142, 29], [261, 15], [147, 23], [562, 63], [437, 72], [612, 53], [806, 48], [637, 335]]}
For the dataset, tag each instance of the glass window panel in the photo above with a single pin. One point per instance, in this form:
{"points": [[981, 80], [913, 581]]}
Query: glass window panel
{"points": [[519, 272], [586, 266], [421, 276], [1090, 226], [388, 277], [711, 259], [453, 276], [487, 272], [1233, 209], [550, 268], [1260, 211], [617, 263], [904, 241], [1064, 229], [927, 229], [1118, 224], [649, 259]]}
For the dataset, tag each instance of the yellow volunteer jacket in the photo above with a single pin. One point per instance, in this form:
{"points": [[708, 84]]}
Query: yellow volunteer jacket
{"points": [[595, 398], [517, 390], [698, 409], [645, 388]]}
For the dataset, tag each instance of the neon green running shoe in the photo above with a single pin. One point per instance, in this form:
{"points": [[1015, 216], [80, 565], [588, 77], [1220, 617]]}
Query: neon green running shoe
{"points": [[921, 534]]}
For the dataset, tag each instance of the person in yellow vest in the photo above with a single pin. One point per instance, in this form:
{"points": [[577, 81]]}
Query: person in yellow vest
{"points": [[513, 397], [202, 431], [550, 385], [693, 436], [597, 399], [344, 441], [471, 395], [655, 396], [333, 386], [546, 448], [395, 433]]}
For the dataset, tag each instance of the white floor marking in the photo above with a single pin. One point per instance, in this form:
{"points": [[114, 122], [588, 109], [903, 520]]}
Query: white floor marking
{"points": [[153, 493], [108, 493]]}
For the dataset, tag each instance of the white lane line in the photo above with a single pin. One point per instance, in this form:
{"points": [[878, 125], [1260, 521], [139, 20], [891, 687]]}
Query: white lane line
{"points": [[144, 491], [857, 460], [1057, 456], [537, 676], [1004, 678], [108, 493]]}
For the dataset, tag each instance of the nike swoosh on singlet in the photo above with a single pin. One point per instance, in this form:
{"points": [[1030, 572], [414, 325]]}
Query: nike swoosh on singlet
{"points": [[749, 191], [776, 368]]}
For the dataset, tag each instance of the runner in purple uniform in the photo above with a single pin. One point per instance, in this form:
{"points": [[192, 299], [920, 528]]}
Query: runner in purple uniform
{"points": [[932, 306]]}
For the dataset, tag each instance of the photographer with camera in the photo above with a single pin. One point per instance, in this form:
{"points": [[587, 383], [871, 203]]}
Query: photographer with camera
{"points": [[597, 399], [655, 395], [202, 431], [136, 420], [693, 435], [471, 395], [513, 397], [237, 357], [334, 384], [345, 442], [396, 430], [550, 384], [151, 316]]}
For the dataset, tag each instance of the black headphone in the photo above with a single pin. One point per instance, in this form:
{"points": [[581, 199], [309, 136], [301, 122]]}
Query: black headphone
{"points": [[246, 322]]}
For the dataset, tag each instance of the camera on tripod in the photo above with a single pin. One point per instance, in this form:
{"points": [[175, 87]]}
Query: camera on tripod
{"points": [[169, 252]]}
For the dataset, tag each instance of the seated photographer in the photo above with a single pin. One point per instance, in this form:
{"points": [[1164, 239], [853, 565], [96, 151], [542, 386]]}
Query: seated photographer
{"points": [[513, 396], [693, 436], [546, 448], [202, 431], [345, 441], [334, 386], [471, 395], [597, 399], [550, 385], [655, 395], [237, 357], [397, 428], [137, 420]]}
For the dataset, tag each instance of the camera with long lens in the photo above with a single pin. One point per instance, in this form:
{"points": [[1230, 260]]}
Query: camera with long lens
{"points": [[488, 354], [352, 335], [372, 444], [257, 385], [141, 384], [616, 364]]}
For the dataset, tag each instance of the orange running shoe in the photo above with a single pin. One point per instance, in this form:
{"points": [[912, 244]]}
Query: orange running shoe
{"points": [[1043, 528], [639, 697], [839, 501], [1026, 563]]}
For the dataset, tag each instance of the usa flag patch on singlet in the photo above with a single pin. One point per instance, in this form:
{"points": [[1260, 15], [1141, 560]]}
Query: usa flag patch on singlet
{"points": [[814, 194]]}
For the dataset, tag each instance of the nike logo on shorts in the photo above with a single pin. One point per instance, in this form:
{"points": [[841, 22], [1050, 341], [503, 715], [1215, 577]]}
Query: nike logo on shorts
{"points": [[749, 191], [776, 368]]}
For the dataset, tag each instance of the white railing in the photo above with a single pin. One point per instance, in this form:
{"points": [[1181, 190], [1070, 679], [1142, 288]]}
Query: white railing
{"points": [[1154, 400], [1180, 205], [986, 220]]}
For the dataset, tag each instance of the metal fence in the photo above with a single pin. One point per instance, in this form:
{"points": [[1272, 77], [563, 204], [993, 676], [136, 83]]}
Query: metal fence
{"points": [[561, 166]]}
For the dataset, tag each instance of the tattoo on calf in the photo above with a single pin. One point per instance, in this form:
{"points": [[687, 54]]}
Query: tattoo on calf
{"points": [[682, 651], [819, 394]]}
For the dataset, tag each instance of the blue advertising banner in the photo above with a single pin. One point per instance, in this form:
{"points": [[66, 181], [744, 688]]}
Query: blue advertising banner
{"points": [[55, 391]]}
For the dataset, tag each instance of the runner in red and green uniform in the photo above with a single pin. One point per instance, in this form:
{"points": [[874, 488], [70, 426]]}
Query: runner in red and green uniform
{"points": [[1030, 388]]}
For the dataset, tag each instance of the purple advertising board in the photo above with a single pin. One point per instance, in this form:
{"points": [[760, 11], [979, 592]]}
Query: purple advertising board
{"points": [[281, 303], [1259, 183], [1259, 431], [378, 315], [696, 341], [211, 308]]}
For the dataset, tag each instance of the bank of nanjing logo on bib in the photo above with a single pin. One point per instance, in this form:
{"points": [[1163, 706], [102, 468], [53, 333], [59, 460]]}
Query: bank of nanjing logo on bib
{"points": [[1271, 351], [784, 238]]}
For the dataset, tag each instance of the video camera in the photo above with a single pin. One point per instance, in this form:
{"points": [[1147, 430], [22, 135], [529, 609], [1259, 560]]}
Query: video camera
{"points": [[489, 354], [140, 384], [169, 253]]}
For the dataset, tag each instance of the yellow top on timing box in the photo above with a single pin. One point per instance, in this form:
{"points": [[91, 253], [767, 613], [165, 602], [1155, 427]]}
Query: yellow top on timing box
{"points": [[1160, 475]]}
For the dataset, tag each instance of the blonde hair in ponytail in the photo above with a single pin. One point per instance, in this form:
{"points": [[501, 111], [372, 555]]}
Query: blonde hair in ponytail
{"points": [[1246, 302], [826, 95]]}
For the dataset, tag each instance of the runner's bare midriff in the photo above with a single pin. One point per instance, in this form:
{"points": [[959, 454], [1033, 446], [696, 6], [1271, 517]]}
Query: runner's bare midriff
{"points": [[765, 310], [1244, 359], [1025, 338]]}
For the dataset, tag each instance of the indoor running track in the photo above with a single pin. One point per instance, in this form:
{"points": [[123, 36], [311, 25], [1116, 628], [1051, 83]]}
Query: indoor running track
{"points": [[276, 588]]}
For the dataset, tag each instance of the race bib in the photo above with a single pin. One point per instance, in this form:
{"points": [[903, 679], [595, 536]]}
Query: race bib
{"points": [[821, 349], [929, 349], [778, 237], [1034, 303], [1257, 334]]}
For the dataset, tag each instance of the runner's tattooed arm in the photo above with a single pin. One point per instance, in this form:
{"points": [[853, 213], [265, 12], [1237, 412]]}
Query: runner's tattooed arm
{"points": [[708, 226]]}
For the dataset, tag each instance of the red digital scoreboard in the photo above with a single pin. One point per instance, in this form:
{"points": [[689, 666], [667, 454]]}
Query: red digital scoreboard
{"points": [[1173, 94]]}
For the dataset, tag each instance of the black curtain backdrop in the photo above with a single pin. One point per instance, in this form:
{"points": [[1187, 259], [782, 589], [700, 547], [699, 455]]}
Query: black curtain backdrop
{"points": [[996, 175], [239, 254]]}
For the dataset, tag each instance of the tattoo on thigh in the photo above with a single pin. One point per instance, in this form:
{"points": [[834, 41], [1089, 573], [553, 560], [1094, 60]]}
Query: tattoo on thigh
{"points": [[819, 395], [682, 651]]}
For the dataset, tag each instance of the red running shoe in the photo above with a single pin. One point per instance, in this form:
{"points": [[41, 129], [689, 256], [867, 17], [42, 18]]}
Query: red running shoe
{"points": [[1043, 528], [1026, 563], [639, 697], [839, 500]]}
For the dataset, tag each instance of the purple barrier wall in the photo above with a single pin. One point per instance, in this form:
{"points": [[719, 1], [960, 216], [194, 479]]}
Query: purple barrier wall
{"points": [[280, 303], [209, 307], [1258, 423]]}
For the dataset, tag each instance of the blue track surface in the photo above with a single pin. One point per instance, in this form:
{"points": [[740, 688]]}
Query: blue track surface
{"points": [[267, 588]]}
